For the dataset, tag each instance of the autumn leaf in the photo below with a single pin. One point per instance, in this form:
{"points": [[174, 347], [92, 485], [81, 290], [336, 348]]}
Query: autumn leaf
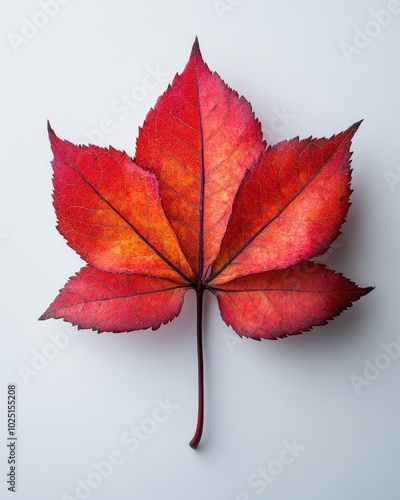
{"points": [[205, 205]]}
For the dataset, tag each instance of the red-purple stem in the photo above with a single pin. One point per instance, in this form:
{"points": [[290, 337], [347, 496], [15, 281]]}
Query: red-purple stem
{"points": [[200, 415]]}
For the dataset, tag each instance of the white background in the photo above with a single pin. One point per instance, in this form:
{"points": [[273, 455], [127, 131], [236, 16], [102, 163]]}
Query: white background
{"points": [[74, 408]]}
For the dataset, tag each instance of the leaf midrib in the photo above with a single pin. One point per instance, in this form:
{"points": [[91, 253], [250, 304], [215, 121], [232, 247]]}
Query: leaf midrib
{"points": [[202, 177]]}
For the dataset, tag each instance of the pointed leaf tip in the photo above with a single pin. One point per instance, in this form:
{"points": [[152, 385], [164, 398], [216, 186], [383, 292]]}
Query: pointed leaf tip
{"points": [[49, 128], [53, 137], [350, 132], [356, 126], [196, 52]]}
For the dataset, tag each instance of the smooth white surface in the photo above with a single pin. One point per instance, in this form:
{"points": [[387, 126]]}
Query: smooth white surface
{"points": [[280, 55]]}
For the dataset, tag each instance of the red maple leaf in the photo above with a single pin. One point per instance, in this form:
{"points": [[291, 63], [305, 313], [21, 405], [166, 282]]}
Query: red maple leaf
{"points": [[205, 206]]}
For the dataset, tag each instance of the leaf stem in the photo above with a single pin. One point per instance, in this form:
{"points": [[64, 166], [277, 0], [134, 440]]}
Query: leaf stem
{"points": [[200, 373]]}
